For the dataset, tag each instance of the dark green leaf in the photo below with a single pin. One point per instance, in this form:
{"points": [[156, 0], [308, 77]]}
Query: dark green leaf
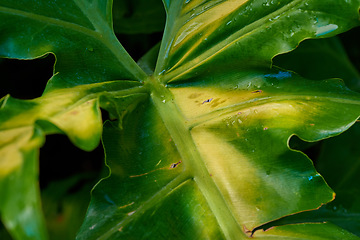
{"points": [[138, 16], [198, 149]]}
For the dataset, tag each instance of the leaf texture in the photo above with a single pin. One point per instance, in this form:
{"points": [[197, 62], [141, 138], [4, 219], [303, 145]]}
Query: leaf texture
{"points": [[198, 149]]}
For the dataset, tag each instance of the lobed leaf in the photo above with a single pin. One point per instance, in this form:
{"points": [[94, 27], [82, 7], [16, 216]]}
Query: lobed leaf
{"points": [[242, 34], [24, 124], [198, 149], [78, 32], [224, 146]]}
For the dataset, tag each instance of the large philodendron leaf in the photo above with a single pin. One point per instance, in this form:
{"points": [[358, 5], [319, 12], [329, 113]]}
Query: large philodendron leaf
{"points": [[207, 157], [217, 163], [199, 149]]}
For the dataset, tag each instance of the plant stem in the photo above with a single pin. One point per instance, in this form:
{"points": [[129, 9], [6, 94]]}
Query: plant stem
{"points": [[194, 164]]}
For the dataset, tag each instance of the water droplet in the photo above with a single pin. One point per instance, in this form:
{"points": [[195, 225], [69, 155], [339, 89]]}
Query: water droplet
{"points": [[323, 30]]}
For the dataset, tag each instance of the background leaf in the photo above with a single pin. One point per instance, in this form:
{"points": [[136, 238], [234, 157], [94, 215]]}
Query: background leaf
{"points": [[321, 59], [23, 127], [138, 16], [79, 33]]}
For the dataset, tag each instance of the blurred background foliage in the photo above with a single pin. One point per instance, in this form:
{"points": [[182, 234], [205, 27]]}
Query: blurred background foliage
{"points": [[68, 174]]}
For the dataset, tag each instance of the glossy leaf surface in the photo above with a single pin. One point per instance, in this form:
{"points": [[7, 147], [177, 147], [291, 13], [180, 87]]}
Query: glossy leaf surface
{"points": [[79, 33], [74, 112], [338, 160], [196, 150]]}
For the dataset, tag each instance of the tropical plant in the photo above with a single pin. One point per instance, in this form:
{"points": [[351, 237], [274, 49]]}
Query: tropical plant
{"points": [[200, 140]]}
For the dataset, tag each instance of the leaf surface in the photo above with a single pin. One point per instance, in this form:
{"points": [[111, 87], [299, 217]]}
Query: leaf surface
{"points": [[198, 149], [78, 32], [228, 132], [239, 34], [73, 111]]}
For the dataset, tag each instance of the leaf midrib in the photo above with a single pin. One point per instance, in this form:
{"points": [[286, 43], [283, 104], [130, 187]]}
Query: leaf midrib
{"points": [[219, 113], [193, 162]]}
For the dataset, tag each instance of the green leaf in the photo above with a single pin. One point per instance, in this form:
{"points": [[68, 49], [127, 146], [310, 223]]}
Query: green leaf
{"points": [[338, 160], [73, 111], [65, 210], [78, 32], [325, 231], [321, 59], [230, 142], [200, 148], [343, 178], [20, 209], [240, 34], [138, 16]]}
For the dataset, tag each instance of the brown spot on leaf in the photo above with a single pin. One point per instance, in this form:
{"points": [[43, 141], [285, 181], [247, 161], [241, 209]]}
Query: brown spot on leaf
{"points": [[127, 205], [217, 102], [194, 95], [257, 91]]}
